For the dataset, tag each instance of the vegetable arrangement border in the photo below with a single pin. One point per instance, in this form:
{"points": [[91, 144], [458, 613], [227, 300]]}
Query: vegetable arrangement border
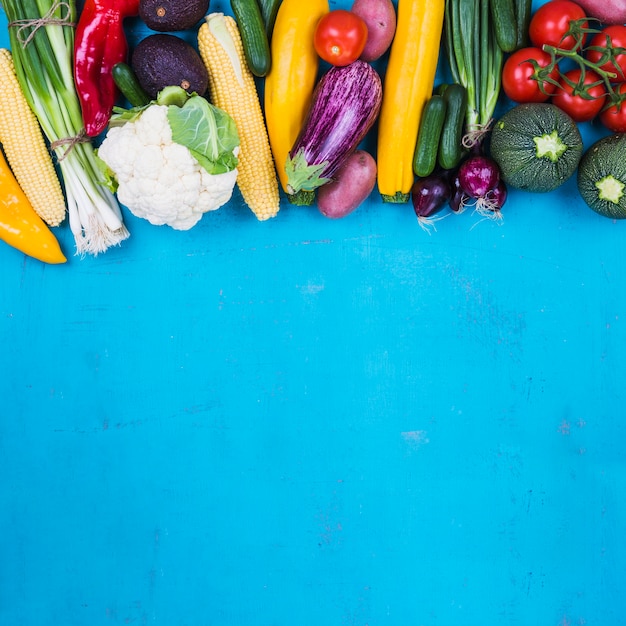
{"points": [[169, 129]]}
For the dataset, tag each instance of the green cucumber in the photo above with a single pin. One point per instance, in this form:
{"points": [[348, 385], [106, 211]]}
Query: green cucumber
{"points": [[428, 134], [269, 10], [504, 23], [126, 81], [523, 13], [451, 142], [256, 45]]}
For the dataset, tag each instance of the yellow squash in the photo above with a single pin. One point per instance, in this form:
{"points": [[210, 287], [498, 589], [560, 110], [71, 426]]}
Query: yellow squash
{"points": [[290, 83], [20, 226], [408, 84]]}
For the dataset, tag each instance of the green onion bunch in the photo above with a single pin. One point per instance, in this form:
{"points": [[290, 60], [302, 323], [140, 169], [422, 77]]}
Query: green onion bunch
{"points": [[41, 34], [475, 60]]}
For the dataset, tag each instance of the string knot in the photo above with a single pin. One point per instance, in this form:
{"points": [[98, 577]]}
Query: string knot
{"points": [[28, 27], [70, 142]]}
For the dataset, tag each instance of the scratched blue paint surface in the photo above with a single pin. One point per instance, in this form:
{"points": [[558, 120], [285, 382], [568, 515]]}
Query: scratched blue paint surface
{"points": [[308, 422]]}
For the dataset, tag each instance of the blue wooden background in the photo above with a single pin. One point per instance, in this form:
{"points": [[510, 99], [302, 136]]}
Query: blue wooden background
{"points": [[306, 421]]}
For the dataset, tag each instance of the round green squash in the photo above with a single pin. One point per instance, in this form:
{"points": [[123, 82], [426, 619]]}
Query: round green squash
{"points": [[602, 176], [537, 147]]}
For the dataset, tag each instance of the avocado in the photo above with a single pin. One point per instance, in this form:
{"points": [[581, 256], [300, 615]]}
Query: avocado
{"points": [[172, 15], [161, 60]]}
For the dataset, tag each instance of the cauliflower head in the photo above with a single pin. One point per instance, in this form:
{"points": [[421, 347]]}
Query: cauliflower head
{"points": [[159, 179]]}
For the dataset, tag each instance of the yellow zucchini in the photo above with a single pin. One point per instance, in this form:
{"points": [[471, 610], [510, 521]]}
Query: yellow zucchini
{"points": [[409, 82], [291, 80]]}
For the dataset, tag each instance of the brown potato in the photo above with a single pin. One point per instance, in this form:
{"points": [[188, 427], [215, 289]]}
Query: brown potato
{"points": [[607, 11], [352, 184], [380, 17]]}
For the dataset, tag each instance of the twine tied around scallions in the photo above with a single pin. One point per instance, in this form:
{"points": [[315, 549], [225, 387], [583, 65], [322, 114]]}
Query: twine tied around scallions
{"points": [[44, 61], [23, 25]]}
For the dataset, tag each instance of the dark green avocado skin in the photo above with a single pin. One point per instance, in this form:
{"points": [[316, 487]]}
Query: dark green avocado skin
{"points": [[172, 15], [162, 59]]}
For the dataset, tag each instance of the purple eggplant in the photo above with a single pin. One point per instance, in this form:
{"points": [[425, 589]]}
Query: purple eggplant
{"points": [[344, 106]]}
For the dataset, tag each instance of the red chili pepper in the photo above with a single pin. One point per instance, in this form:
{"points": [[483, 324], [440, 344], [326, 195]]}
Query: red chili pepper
{"points": [[100, 43]]}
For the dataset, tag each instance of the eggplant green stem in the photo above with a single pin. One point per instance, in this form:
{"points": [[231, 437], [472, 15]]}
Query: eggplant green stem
{"points": [[304, 176]]}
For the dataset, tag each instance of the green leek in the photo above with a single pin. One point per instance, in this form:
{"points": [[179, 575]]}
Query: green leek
{"points": [[475, 61], [41, 34]]}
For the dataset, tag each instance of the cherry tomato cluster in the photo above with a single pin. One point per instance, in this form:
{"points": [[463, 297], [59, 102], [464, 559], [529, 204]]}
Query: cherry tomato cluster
{"points": [[572, 62]]}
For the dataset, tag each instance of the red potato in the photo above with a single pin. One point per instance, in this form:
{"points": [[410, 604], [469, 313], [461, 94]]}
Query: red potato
{"points": [[352, 184], [607, 11], [380, 17]]}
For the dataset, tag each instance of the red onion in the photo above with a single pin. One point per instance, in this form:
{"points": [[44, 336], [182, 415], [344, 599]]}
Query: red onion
{"points": [[478, 175], [429, 195]]}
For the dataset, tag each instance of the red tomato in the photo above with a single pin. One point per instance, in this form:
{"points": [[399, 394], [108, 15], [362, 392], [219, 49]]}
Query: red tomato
{"points": [[551, 21], [517, 73], [569, 99], [613, 36], [340, 37], [614, 117]]}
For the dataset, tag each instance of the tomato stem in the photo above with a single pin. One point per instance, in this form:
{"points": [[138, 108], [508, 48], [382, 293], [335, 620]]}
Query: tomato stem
{"points": [[577, 55]]}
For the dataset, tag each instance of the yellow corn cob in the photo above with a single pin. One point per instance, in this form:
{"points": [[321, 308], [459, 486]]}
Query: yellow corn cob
{"points": [[232, 88], [25, 148]]}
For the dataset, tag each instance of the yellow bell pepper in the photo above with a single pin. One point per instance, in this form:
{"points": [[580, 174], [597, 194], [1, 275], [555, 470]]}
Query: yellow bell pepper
{"points": [[20, 226]]}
